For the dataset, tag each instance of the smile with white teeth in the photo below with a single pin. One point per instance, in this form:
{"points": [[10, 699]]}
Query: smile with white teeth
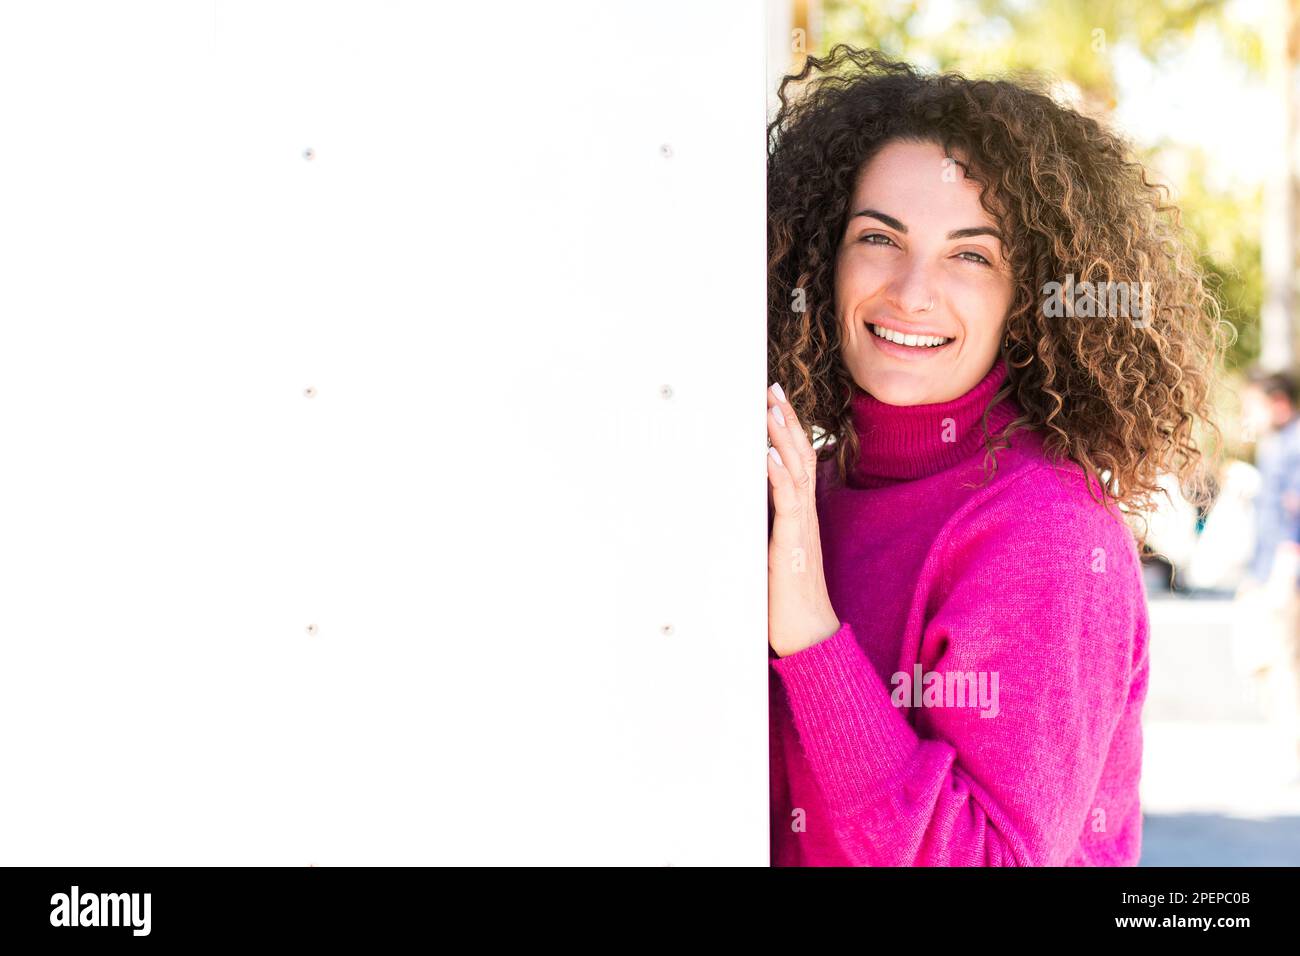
{"points": [[918, 341]]}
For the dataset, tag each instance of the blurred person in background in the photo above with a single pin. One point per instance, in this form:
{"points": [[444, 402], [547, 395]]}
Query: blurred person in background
{"points": [[1269, 419], [1265, 644]]}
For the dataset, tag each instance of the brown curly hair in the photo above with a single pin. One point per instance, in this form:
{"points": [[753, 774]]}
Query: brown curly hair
{"points": [[1122, 400]]}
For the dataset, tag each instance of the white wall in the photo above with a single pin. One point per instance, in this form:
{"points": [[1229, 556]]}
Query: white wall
{"points": [[416, 617]]}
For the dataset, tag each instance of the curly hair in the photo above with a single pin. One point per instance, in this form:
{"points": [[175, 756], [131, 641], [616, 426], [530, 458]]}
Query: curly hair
{"points": [[1124, 400]]}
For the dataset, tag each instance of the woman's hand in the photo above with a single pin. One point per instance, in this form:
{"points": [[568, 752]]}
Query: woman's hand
{"points": [[799, 612]]}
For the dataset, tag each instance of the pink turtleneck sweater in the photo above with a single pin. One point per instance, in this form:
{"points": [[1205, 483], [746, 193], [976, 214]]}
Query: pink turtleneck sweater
{"points": [[1020, 608]]}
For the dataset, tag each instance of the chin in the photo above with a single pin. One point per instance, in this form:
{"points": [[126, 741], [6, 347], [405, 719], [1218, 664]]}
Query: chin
{"points": [[901, 387]]}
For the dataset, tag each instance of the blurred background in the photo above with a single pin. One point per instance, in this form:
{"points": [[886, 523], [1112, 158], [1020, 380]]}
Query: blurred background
{"points": [[1207, 90]]}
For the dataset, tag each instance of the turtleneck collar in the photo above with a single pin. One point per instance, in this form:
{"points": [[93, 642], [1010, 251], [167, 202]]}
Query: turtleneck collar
{"points": [[906, 442]]}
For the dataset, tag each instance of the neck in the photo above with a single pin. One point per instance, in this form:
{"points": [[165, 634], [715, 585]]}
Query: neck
{"points": [[906, 442]]}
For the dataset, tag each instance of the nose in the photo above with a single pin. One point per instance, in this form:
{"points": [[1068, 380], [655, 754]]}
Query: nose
{"points": [[911, 290]]}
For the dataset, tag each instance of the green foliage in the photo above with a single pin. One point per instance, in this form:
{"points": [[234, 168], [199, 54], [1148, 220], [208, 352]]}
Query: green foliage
{"points": [[1225, 229]]}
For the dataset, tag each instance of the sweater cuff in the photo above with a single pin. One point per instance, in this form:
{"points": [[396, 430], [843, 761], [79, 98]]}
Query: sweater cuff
{"points": [[857, 742]]}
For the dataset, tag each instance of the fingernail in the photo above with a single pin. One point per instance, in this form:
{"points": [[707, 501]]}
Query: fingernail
{"points": [[776, 413], [776, 456], [776, 390]]}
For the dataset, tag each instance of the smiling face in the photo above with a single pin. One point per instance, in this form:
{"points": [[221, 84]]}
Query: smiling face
{"points": [[921, 263]]}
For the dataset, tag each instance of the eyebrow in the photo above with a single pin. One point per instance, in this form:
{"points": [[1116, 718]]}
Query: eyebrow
{"points": [[893, 223]]}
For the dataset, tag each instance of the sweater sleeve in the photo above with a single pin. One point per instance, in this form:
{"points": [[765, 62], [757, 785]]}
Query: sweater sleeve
{"points": [[1051, 611]]}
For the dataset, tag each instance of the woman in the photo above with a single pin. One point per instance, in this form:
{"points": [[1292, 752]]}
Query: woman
{"points": [[957, 625]]}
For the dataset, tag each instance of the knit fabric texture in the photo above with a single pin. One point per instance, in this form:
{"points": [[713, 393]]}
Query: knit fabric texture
{"points": [[980, 704]]}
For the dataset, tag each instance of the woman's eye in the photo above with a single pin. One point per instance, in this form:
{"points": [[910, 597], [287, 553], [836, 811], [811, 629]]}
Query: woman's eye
{"points": [[876, 235], [978, 258]]}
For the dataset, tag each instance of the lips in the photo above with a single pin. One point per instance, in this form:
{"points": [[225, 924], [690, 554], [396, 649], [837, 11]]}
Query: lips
{"points": [[918, 341]]}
